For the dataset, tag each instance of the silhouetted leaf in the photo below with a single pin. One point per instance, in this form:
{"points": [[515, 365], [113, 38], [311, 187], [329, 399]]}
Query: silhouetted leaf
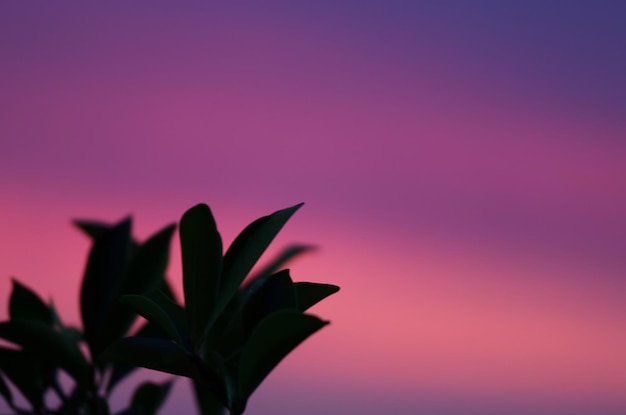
{"points": [[311, 293], [267, 295], [93, 229], [149, 397], [5, 391], [50, 345], [151, 353], [121, 369], [246, 250], [207, 403], [273, 339], [25, 372], [145, 272], [283, 258], [151, 311], [102, 282], [24, 303], [201, 246]]}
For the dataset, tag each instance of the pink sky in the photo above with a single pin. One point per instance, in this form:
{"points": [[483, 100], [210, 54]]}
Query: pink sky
{"points": [[462, 166]]}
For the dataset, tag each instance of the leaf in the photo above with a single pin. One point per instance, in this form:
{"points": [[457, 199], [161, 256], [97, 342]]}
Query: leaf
{"points": [[246, 250], [311, 293], [24, 303], [206, 401], [266, 296], [152, 353], [48, 344], [149, 397], [273, 339], [102, 281], [5, 391], [25, 372], [93, 229], [121, 369], [151, 311], [145, 272], [201, 246], [283, 258]]}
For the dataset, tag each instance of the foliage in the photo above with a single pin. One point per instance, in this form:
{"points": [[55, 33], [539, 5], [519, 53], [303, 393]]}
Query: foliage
{"points": [[232, 331]]}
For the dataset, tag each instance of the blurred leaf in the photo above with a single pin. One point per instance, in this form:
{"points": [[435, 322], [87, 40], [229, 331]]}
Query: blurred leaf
{"points": [[283, 258], [151, 353], [24, 371], [207, 403], [149, 397], [121, 369], [93, 229], [311, 293], [145, 272], [24, 303], [246, 250], [201, 246], [5, 391], [273, 339], [48, 344], [266, 296], [102, 281], [151, 311]]}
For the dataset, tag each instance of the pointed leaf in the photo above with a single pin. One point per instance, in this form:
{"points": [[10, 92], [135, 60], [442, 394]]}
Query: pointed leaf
{"points": [[24, 303], [266, 296], [151, 311], [145, 272], [283, 258], [201, 246], [151, 353], [93, 229], [246, 250], [50, 345], [102, 282], [149, 397], [310, 293], [273, 339]]}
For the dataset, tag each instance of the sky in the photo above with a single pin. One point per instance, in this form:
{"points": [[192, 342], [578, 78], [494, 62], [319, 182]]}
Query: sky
{"points": [[462, 165]]}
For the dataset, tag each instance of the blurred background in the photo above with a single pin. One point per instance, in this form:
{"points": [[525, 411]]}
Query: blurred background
{"points": [[463, 165]]}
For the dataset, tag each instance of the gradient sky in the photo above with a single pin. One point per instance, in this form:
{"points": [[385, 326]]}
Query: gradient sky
{"points": [[463, 165]]}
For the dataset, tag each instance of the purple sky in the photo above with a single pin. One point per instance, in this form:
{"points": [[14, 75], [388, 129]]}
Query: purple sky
{"points": [[462, 165]]}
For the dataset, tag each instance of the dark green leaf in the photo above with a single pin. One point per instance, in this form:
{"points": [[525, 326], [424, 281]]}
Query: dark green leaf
{"points": [[246, 250], [149, 397], [25, 372], [267, 295], [102, 282], [48, 344], [151, 353], [149, 262], [151, 311], [273, 339], [145, 272], [24, 303], [310, 293], [121, 369], [201, 246]]}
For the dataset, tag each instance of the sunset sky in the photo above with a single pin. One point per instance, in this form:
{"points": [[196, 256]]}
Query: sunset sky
{"points": [[462, 164]]}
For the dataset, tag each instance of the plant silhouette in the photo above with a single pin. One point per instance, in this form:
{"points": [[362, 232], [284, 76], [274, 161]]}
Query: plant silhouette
{"points": [[231, 332]]}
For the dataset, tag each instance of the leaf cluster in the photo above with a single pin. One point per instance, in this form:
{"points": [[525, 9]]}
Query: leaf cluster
{"points": [[231, 332]]}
